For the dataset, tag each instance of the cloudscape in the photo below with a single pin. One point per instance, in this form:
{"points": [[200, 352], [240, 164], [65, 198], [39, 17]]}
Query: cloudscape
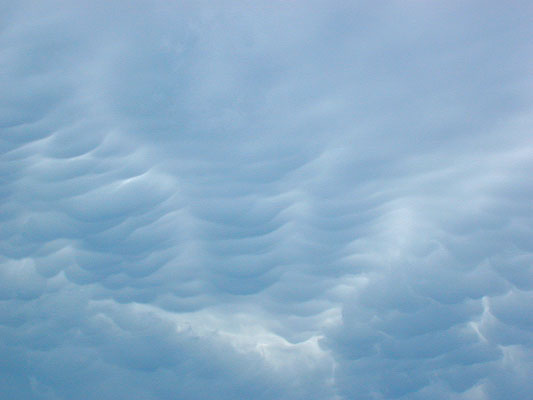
{"points": [[282, 200]]}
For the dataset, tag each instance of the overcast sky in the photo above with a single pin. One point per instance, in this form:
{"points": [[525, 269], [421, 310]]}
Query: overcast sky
{"points": [[282, 200]]}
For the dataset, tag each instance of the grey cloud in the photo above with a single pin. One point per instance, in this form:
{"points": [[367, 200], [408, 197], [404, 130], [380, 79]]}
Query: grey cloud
{"points": [[265, 200]]}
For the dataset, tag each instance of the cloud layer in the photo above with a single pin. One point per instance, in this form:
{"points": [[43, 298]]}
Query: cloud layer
{"points": [[268, 200]]}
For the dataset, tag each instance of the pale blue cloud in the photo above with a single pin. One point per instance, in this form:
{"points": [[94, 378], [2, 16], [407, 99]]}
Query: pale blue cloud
{"points": [[272, 200]]}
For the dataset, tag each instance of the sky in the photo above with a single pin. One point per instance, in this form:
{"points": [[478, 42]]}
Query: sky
{"points": [[226, 200]]}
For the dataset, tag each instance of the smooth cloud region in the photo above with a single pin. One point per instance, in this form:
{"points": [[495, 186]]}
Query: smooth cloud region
{"points": [[266, 200]]}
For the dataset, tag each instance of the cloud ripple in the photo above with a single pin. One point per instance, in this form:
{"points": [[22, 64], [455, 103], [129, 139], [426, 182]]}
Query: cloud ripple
{"points": [[265, 200]]}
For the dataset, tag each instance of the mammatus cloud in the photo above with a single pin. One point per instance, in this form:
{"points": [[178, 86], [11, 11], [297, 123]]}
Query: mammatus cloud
{"points": [[268, 200]]}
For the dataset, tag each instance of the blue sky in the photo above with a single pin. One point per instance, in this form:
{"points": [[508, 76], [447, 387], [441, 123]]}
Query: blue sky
{"points": [[284, 200]]}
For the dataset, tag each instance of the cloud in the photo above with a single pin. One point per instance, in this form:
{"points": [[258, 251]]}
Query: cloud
{"points": [[265, 200]]}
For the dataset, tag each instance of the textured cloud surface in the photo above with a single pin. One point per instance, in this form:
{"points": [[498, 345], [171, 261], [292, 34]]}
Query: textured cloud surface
{"points": [[266, 200]]}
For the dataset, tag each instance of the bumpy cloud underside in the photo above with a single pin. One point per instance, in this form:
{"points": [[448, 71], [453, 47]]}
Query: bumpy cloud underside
{"points": [[266, 200]]}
